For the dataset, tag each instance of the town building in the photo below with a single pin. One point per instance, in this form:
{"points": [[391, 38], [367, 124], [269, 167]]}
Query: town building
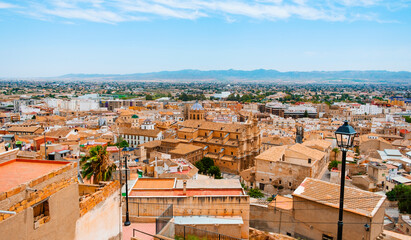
{"points": [[17, 130], [284, 167], [219, 203], [404, 224], [231, 146], [312, 213], [137, 136], [45, 201]]}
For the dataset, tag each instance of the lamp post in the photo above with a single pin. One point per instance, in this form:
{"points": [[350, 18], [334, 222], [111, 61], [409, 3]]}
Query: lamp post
{"points": [[127, 222], [119, 167], [45, 145], [119, 160], [345, 139]]}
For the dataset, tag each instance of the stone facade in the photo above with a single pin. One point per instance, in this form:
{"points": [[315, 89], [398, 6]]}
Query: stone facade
{"points": [[231, 146]]}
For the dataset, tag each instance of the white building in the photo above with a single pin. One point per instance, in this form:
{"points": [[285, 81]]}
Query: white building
{"points": [[77, 104], [367, 109], [222, 95]]}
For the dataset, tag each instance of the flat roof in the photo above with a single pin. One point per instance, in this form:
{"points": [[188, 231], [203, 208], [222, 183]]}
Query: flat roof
{"points": [[285, 203], [18, 171], [210, 183], [401, 179], [154, 183], [189, 192], [206, 220]]}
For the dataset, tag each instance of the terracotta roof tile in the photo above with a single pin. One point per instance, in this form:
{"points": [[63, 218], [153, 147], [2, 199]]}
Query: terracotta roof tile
{"points": [[140, 132], [357, 201], [183, 148], [227, 127]]}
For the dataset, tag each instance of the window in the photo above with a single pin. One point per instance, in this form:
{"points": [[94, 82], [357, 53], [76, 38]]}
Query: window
{"points": [[289, 184], [326, 237], [309, 160], [41, 213], [232, 153], [185, 136], [262, 186], [215, 150], [237, 136], [271, 180], [279, 181]]}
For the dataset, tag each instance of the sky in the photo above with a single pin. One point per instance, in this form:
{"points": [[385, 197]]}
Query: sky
{"points": [[46, 38]]}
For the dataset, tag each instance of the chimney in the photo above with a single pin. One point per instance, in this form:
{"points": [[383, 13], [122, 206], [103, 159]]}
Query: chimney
{"points": [[184, 187]]}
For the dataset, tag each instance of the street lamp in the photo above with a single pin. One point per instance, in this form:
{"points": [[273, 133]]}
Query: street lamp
{"points": [[127, 222], [345, 139]]}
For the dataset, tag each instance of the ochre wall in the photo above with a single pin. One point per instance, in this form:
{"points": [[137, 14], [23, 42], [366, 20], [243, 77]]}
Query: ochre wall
{"points": [[102, 222]]}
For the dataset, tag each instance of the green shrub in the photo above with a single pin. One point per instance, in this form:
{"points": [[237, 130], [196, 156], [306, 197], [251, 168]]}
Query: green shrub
{"points": [[333, 164], [402, 194], [255, 193]]}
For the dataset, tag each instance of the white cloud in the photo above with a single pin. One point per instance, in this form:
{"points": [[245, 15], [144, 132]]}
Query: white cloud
{"points": [[114, 11], [7, 5], [360, 2]]}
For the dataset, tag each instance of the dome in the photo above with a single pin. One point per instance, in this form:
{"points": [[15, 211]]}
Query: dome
{"points": [[134, 116], [197, 106]]}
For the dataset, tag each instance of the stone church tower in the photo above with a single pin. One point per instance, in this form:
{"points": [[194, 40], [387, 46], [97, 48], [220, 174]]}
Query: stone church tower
{"points": [[196, 112]]}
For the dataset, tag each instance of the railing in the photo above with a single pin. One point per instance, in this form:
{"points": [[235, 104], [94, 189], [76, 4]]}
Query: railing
{"points": [[182, 232], [165, 228], [137, 209], [155, 237], [164, 219]]}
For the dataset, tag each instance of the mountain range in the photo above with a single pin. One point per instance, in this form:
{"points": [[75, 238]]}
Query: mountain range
{"points": [[259, 75]]}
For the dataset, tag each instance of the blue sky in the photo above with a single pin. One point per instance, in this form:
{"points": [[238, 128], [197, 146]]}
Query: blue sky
{"points": [[56, 37]]}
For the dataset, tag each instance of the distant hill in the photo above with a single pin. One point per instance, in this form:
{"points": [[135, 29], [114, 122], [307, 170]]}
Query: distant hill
{"points": [[259, 75]]}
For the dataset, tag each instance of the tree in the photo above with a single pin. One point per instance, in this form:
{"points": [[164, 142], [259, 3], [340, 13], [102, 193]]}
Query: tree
{"points": [[149, 97], [407, 119], [121, 143], [402, 194], [183, 97], [305, 113], [333, 164], [255, 193], [207, 163], [215, 171], [335, 151], [245, 98], [200, 166], [97, 164], [357, 150]]}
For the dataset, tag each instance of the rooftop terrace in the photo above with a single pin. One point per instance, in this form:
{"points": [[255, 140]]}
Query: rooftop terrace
{"points": [[19, 171]]}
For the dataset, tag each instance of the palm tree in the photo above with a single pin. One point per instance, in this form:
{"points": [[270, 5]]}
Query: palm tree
{"points": [[336, 151], [97, 164]]}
